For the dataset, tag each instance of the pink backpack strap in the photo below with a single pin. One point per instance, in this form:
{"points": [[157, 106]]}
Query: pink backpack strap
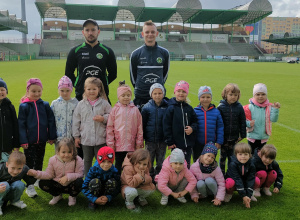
{"points": [[247, 112]]}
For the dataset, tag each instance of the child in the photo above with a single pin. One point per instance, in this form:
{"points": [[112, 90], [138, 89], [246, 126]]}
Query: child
{"points": [[36, 127], [11, 174], [234, 120], [9, 128], [175, 179], [89, 120], [180, 122], [152, 114], [210, 123], [240, 175], [136, 180], [124, 131], [267, 170], [260, 114], [102, 182], [209, 176], [63, 174]]}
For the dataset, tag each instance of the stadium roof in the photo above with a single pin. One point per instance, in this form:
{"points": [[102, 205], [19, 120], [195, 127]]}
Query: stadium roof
{"points": [[186, 11], [11, 22], [286, 39]]}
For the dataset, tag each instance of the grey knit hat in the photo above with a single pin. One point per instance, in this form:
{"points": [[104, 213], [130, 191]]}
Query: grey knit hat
{"points": [[204, 90], [156, 86], [177, 156]]}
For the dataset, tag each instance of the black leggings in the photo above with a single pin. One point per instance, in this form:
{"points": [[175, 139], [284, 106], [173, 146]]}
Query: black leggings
{"points": [[35, 156]]}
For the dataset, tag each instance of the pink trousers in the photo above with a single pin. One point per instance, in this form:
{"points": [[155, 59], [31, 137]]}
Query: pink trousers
{"points": [[265, 179], [230, 185]]}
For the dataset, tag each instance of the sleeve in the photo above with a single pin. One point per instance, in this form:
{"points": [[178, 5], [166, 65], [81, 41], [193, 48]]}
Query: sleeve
{"points": [[248, 115], [71, 65], [167, 128], [116, 191], [76, 122], [49, 173], [191, 180], [162, 183], [220, 129], [221, 184], [78, 173], [29, 180], [15, 125], [111, 67], [133, 180], [242, 122], [51, 122], [274, 114], [85, 186], [194, 121], [145, 118], [279, 180], [133, 68], [110, 131], [107, 110], [234, 174], [193, 169], [250, 180], [166, 66], [22, 124], [139, 138]]}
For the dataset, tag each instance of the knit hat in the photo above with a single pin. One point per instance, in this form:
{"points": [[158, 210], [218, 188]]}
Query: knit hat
{"points": [[34, 81], [182, 85], [105, 153], [204, 90], [3, 84], [210, 148], [156, 86], [260, 87], [177, 156], [65, 82]]}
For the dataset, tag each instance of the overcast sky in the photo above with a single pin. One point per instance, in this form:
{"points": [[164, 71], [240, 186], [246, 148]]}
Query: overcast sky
{"points": [[282, 8]]}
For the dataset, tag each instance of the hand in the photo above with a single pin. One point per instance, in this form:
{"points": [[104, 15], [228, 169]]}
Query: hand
{"points": [[63, 180], [196, 199], [32, 172], [246, 201], [77, 142], [252, 122], [188, 130], [218, 146], [275, 190], [51, 142], [175, 195], [182, 193], [2, 187], [216, 202], [171, 146], [98, 118], [101, 200], [25, 146], [276, 105]]}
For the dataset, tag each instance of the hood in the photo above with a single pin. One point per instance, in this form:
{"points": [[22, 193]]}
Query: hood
{"points": [[224, 102], [126, 162], [70, 100], [28, 100], [173, 101], [131, 104], [164, 103]]}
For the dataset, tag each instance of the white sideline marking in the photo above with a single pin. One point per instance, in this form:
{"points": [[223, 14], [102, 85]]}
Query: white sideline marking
{"points": [[288, 161]]}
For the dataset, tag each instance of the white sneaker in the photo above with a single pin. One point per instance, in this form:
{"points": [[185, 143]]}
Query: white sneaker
{"points": [[55, 200], [1, 213], [182, 200], [30, 191], [227, 197], [37, 183], [164, 200], [20, 204], [257, 192], [253, 199], [267, 191]]}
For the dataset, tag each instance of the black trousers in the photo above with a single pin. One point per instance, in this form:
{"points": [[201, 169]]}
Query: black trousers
{"points": [[35, 155], [119, 158], [256, 145]]}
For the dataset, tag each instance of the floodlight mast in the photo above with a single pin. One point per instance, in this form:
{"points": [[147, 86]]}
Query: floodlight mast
{"points": [[23, 14]]}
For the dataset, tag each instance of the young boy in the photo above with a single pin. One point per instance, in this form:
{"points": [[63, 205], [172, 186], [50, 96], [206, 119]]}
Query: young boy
{"points": [[102, 182], [153, 113], [11, 174]]}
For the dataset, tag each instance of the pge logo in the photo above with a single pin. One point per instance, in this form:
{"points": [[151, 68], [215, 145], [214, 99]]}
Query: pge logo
{"points": [[92, 71], [150, 78]]}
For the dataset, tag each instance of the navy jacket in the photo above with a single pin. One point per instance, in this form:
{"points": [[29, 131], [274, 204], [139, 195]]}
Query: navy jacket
{"points": [[244, 183], [36, 122], [153, 120], [6, 177], [178, 116], [234, 120]]}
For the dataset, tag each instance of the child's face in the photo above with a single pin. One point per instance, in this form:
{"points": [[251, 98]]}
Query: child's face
{"points": [[91, 91], [157, 96], [180, 95], [208, 158], [125, 98], [3, 93], [65, 93], [205, 100], [266, 161], [243, 157], [260, 97], [106, 165], [14, 169], [65, 154], [177, 166], [232, 97], [34, 92], [141, 165]]}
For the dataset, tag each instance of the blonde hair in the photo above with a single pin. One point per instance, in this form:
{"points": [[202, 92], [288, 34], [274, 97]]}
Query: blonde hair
{"points": [[139, 155], [97, 82], [149, 23], [69, 143], [231, 87], [242, 148], [17, 157], [269, 150]]}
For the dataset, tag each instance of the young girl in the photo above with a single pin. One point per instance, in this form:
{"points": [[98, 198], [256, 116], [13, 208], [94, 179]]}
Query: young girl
{"points": [[180, 122], [240, 175], [63, 174], [210, 123], [260, 114], [175, 179], [135, 178], [267, 170], [89, 120], [36, 127], [124, 131], [234, 120], [209, 176]]}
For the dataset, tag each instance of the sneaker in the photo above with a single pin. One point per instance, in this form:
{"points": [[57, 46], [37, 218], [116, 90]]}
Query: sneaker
{"points": [[92, 206], [130, 205], [142, 201], [164, 200], [37, 183], [1, 213], [72, 201], [253, 199], [227, 197], [20, 204], [267, 191], [182, 200], [55, 200], [30, 191], [257, 192]]}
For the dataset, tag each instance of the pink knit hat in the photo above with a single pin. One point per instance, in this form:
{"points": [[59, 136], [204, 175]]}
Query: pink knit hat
{"points": [[182, 85], [122, 89], [34, 81], [260, 87], [65, 82]]}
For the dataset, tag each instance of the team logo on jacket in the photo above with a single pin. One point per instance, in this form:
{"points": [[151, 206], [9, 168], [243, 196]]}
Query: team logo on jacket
{"points": [[92, 70], [99, 56], [159, 60]]}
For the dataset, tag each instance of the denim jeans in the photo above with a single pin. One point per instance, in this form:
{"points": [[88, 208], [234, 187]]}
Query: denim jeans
{"points": [[13, 192], [207, 187]]}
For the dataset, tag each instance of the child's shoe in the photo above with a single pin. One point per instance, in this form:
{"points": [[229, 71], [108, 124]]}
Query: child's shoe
{"points": [[1, 213], [182, 200], [30, 191], [55, 200], [20, 204], [267, 191], [130, 205], [72, 201], [257, 192], [253, 199], [92, 206], [142, 201], [227, 197], [37, 183], [164, 200]]}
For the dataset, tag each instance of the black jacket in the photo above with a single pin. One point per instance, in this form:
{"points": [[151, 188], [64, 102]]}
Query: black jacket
{"points": [[234, 120]]}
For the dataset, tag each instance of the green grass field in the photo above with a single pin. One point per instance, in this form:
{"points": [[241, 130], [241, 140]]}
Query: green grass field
{"points": [[282, 81]]}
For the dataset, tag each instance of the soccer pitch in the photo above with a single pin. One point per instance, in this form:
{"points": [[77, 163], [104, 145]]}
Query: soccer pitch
{"points": [[282, 81]]}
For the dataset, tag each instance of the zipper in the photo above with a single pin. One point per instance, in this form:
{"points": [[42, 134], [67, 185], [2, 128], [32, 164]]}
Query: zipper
{"points": [[155, 123], [67, 120], [183, 125], [94, 126], [126, 126], [38, 120], [230, 123], [1, 127], [205, 127]]}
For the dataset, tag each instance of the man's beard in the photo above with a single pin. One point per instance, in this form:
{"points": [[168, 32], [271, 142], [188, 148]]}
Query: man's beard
{"points": [[91, 41]]}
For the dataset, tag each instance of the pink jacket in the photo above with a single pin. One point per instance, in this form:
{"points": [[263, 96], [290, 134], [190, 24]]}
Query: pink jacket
{"points": [[168, 176], [124, 130], [216, 174], [57, 169]]}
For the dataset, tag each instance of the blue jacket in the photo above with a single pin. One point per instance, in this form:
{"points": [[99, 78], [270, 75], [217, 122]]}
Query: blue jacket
{"points": [[97, 172], [36, 122], [210, 125], [178, 116], [153, 120]]}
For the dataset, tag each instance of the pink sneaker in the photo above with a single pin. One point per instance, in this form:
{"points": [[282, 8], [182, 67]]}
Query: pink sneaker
{"points": [[72, 201], [55, 200]]}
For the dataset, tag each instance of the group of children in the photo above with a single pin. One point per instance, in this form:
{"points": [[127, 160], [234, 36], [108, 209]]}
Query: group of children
{"points": [[118, 133]]}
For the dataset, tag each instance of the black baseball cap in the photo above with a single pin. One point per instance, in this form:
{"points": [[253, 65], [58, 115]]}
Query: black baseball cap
{"points": [[90, 21]]}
